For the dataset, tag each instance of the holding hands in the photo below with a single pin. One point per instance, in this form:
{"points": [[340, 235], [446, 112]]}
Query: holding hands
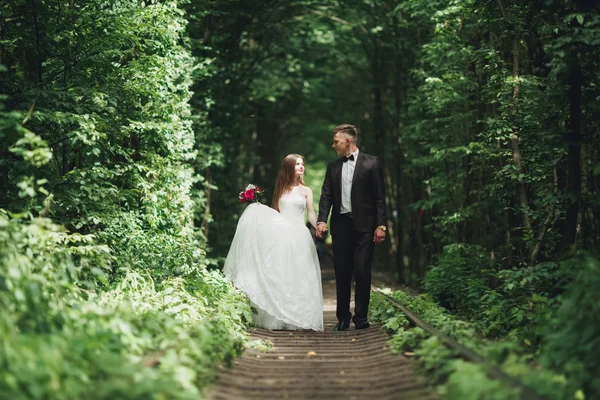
{"points": [[378, 236], [321, 230]]}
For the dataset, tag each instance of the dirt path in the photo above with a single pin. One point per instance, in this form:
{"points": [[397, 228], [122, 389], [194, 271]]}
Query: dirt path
{"points": [[355, 364]]}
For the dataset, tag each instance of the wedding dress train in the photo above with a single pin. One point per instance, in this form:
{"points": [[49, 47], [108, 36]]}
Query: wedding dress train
{"points": [[274, 261]]}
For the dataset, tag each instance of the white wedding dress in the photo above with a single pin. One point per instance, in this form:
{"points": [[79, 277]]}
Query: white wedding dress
{"points": [[274, 261]]}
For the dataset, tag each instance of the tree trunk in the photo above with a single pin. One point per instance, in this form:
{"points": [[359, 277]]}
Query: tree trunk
{"points": [[390, 202], [378, 110], [514, 138], [575, 82], [545, 226], [397, 213], [207, 193], [583, 206], [37, 58]]}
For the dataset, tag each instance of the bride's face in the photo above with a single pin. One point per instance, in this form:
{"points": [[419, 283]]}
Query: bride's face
{"points": [[299, 167]]}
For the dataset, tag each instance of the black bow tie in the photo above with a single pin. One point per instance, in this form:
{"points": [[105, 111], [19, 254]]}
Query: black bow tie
{"points": [[349, 158]]}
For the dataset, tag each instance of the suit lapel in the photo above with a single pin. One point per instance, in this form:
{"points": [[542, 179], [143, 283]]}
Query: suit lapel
{"points": [[359, 163], [338, 176]]}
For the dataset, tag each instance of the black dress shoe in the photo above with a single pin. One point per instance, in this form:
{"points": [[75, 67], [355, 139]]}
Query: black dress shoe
{"points": [[361, 325], [342, 326]]}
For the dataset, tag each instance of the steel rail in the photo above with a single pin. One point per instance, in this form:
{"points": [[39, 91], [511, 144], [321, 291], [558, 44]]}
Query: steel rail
{"points": [[493, 371]]}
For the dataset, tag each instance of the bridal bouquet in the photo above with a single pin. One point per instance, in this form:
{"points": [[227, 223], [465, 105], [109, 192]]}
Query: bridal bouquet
{"points": [[251, 194]]}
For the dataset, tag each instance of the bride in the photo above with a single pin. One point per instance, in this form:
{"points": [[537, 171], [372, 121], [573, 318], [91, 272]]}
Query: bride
{"points": [[273, 257]]}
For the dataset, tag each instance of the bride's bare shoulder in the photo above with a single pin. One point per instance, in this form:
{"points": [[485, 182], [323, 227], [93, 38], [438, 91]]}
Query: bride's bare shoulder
{"points": [[306, 191]]}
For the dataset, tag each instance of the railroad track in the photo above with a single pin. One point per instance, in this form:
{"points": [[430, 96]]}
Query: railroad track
{"points": [[354, 364], [493, 371]]}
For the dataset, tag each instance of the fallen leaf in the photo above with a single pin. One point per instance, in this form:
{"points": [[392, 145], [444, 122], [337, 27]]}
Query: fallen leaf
{"points": [[408, 353], [310, 354], [281, 357], [354, 340]]}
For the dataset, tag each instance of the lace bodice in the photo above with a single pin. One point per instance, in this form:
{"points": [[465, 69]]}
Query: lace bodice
{"points": [[292, 207]]}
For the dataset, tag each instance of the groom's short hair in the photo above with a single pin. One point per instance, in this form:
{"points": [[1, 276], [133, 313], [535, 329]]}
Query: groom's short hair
{"points": [[348, 129]]}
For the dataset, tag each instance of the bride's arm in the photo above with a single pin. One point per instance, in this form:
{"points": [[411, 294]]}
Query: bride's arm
{"points": [[310, 207]]}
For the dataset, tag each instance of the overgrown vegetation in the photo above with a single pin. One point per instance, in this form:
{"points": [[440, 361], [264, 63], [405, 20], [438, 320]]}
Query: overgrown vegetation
{"points": [[127, 129], [542, 336], [104, 290]]}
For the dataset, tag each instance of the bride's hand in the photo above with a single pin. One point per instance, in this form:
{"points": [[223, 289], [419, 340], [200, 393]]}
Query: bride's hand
{"points": [[321, 229]]}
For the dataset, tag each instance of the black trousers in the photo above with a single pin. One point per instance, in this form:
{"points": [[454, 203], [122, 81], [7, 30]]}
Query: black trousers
{"points": [[352, 255]]}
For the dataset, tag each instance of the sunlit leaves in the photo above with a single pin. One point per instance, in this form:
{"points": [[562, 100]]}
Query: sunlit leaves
{"points": [[117, 303], [33, 149]]}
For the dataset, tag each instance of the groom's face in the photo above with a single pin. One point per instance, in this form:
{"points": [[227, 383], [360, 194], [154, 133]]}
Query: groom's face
{"points": [[341, 144]]}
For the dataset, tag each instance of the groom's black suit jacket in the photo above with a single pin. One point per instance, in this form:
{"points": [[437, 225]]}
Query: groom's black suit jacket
{"points": [[367, 195]]}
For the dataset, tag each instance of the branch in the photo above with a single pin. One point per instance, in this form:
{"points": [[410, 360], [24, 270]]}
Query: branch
{"points": [[502, 10], [28, 113], [538, 245], [338, 20], [542, 235]]}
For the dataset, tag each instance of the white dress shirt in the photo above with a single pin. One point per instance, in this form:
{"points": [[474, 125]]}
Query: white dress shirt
{"points": [[347, 175]]}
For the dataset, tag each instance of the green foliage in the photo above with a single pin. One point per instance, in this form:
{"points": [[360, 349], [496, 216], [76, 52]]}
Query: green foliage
{"points": [[134, 340], [131, 342], [103, 287], [32, 273], [571, 337], [127, 129], [488, 127], [111, 100], [470, 382], [460, 278], [523, 299], [498, 302], [457, 379], [544, 311], [467, 103]]}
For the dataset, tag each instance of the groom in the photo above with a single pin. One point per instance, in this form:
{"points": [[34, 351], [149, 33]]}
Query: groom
{"points": [[354, 187]]}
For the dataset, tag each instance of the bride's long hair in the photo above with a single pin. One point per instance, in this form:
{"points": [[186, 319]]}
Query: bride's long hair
{"points": [[286, 179]]}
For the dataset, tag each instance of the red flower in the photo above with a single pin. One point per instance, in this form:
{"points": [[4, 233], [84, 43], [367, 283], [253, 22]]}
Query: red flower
{"points": [[249, 195]]}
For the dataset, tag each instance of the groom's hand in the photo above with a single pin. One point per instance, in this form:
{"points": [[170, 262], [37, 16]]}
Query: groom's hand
{"points": [[321, 230], [379, 236]]}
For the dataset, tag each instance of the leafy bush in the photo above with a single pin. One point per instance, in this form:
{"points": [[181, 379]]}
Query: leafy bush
{"points": [[571, 336], [103, 288], [497, 302], [523, 298], [132, 341], [459, 278], [160, 252], [470, 382], [457, 379]]}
